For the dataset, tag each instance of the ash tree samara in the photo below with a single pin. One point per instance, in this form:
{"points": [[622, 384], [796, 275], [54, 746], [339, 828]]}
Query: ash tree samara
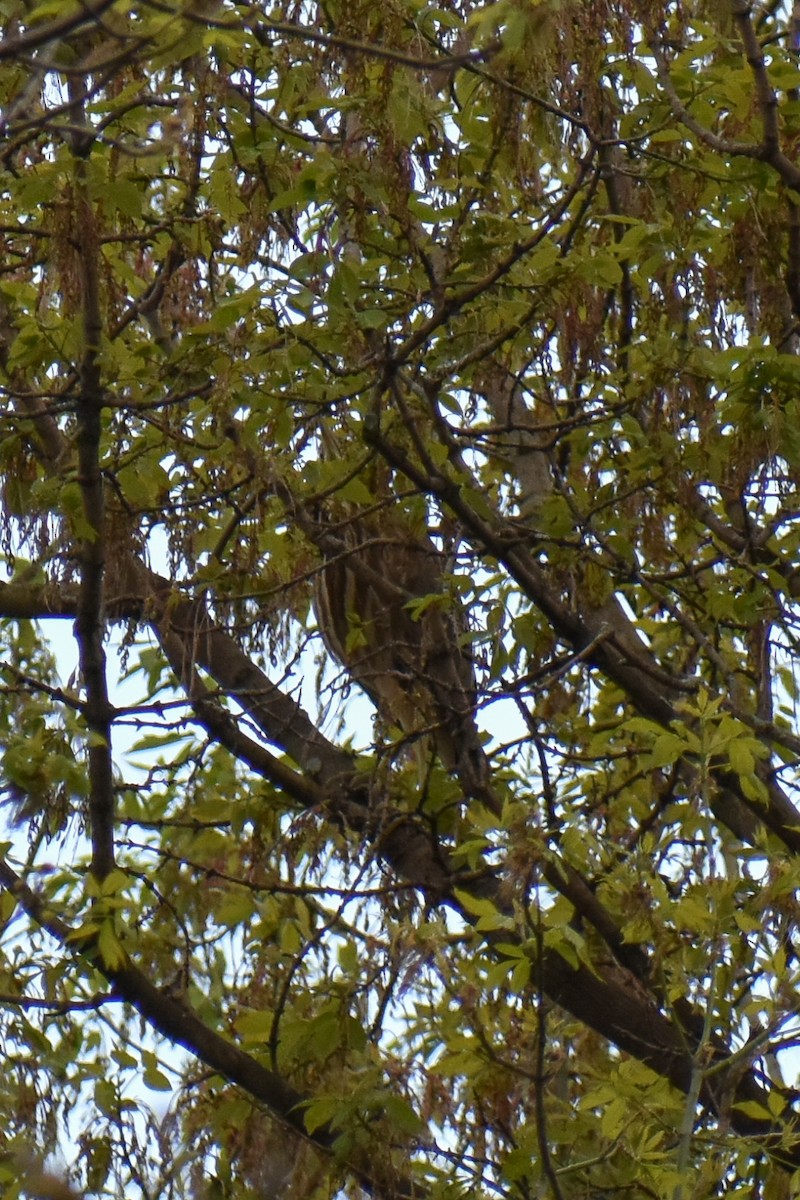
{"points": [[400, 458]]}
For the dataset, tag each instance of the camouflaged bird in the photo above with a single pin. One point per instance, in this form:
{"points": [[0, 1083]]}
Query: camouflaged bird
{"points": [[412, 659]]}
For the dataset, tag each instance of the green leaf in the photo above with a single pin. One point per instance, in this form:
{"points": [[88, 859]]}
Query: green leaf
{"points": [[255, 1026], [476, 906], [402, 1116], [668, 748], [155, 1079], [112, 953], [320, 1112], [751, 1108]]}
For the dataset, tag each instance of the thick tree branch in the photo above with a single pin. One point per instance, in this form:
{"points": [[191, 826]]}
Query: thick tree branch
{"points": [[90, 624]]}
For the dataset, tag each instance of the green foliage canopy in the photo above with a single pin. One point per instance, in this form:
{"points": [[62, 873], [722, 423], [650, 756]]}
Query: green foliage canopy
{"points": [[521, 280]]}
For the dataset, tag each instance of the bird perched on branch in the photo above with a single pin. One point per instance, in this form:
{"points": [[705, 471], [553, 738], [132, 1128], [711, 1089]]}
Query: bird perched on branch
{"points": [[387, 617]]}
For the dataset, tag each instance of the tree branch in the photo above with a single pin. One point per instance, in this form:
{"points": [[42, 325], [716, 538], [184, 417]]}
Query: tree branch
{"points": [[90, 623]]}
